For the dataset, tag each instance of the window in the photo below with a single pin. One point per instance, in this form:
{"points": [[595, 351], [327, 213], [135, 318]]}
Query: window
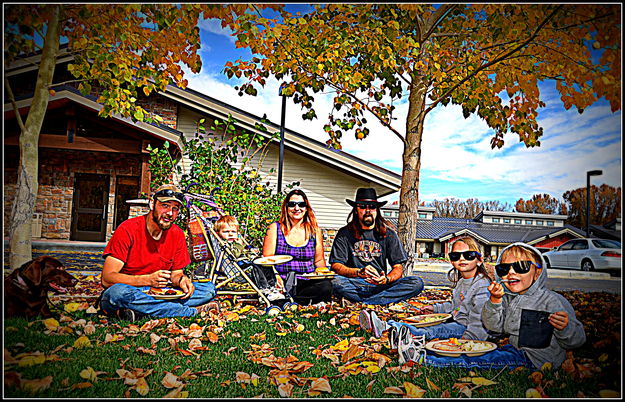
{"points": [[517, 221], [423, 215], [568, 245], [528, 221], [549, 223], [495, 220], [386, 213], [539, 223], [506, 220]]}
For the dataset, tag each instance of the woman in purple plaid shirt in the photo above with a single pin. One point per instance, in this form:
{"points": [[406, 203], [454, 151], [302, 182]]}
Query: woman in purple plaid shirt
{"points": [[297, 234]]}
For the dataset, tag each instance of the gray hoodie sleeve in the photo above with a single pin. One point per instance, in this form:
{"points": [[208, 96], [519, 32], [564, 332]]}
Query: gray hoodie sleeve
{"points": [[493, 316], [573, 335], [475, 329], [444, 307]]}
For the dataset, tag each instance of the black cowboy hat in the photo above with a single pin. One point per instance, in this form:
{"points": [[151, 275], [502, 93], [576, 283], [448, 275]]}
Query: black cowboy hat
{"points": [[366, 196]]}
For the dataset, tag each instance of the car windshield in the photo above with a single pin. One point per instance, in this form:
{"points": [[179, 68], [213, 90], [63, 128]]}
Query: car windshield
{"points": [[606, 244]]}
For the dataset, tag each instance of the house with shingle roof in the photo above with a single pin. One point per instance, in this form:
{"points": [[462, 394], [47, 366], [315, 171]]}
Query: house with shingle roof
{"points": [[493, 230]]}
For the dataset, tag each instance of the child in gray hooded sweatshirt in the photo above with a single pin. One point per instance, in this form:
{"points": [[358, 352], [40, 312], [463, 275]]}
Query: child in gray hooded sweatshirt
{"points": [[541, 323]]}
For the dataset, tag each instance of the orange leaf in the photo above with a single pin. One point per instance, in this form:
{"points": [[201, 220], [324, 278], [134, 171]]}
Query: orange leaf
{"points": [[351, 353], [394, 391], [285, 390], [431, 385], [212, 337], [82, 385], [320, 384], [37, 385]]}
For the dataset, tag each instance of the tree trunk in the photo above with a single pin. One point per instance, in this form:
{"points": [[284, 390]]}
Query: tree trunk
{"points": [[409, 195], [20, 229]]}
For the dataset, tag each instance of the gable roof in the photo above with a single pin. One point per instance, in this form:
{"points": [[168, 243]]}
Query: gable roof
{"points": [[443, 229], [293, 140]]}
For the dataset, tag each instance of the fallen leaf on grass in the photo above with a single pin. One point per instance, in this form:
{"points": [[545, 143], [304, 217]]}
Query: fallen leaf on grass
{"points": [[609, 393], [142, 386], [482, 381], [171, 381], [51, 324], [394, 390], [82, 342], [90, 374], [37, 385], [319, 385], [431, 386], [147, 351], [413, 391], [177, 393], [285, 390], [31, 359]]}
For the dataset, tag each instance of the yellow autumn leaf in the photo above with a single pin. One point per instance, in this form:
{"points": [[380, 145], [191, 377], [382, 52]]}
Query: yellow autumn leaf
{"points": [[90, 374], [51, 323], [546, 366], [413, 391], [71, 307], [342, 345], [82, 342], [532, 393], [254, 380], [142, 386], [31, 360], [281, 333], [609, 393], [603, 357], [373, 369], [299, 328], [482, 381]]}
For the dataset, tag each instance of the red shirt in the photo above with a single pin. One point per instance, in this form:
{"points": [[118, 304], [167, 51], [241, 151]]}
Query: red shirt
{"points": [[141, 254]]}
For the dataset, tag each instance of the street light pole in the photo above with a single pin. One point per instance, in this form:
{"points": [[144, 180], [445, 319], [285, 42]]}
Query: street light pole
{"points": [[588, 174], [281, 159]]}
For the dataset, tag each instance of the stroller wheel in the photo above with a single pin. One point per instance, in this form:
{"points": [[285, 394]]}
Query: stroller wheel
{"points": [[290, 306], [273, 311]]}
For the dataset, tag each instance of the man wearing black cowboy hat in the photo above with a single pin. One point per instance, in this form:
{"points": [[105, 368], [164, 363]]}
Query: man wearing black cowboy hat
{"points": [[150, 251], [363, 250]]}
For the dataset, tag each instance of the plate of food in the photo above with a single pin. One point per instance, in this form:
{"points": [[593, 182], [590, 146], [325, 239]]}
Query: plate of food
{"points": [[425, 320], [164, 293], [320, 273], [455, 347], [273, 260]]}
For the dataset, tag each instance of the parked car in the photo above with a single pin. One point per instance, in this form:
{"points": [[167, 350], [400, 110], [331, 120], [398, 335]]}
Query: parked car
{"points": [[586, 254]]}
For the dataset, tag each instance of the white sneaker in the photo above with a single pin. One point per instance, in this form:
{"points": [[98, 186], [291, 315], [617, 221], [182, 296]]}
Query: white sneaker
{"points": [[365, 320], [377, 325]]}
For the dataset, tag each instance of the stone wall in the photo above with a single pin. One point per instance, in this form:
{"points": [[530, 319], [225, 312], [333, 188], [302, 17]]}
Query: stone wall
{"points": [[56, 186]]}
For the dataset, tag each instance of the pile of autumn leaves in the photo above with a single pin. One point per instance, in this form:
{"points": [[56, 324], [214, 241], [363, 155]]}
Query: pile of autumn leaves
{"points": [[350, 356]]}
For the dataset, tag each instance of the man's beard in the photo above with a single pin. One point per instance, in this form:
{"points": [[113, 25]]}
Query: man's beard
{"points": [[162, 225], [367, 220]]}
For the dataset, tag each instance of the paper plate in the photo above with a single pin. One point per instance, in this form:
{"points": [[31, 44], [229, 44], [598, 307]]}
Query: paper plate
{"points": [[164, 293], [313, 275], [426, 320], [465, 346], [273, 260]]}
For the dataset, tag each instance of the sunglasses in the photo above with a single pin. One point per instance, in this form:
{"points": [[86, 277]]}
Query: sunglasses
{"points": [[520, 267], [170, 193], [468, 255], [370, 207], [293, 204]]}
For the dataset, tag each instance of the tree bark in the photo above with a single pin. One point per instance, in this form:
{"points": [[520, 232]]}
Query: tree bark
{"points": [[409, 195], [20, 229]]}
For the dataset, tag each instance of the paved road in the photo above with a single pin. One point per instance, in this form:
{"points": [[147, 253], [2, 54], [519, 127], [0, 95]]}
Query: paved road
{"points": [[612, 285]]}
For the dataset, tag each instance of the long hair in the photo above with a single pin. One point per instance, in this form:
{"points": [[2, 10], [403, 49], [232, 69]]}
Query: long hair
{"points": [[353, 225], [309, 221], [453, 275]]}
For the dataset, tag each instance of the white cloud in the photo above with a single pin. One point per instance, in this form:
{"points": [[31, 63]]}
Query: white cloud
{"points": [[457, 151], [214, 26]]}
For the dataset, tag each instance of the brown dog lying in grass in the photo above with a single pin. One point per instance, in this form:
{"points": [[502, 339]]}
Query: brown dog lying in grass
{"points": [[26, 288]]}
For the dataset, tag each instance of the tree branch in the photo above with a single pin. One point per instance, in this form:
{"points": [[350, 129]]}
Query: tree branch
{"points": [[18, 117], [498, 59]]}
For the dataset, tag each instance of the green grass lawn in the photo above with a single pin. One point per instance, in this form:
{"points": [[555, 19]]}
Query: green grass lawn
{"points": [[243, 353]]}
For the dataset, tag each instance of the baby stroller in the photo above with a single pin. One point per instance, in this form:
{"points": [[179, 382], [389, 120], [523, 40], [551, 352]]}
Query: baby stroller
{"points": [[232, 272]]}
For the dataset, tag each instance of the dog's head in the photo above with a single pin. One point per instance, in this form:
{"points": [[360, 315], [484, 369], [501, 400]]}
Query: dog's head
{"points": [[48, 272]]}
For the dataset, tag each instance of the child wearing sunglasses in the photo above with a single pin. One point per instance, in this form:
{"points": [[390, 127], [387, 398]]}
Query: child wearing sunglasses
{"points": [[470, 283], [540, 322]]}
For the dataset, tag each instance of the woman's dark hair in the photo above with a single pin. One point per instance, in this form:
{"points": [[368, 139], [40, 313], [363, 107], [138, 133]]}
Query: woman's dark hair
{"points": [[353, 225]]}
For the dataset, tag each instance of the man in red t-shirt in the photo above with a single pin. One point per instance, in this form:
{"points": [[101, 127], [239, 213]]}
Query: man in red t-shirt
{"points": [[150, 251]]}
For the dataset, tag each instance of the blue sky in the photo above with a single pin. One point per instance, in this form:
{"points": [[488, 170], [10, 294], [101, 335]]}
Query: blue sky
{"points": [[457, 161]]}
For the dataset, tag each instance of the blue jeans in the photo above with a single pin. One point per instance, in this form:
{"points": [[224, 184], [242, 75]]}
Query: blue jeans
{"points": [[357, 290], [505, 356], [444, 330], [121, 295]]}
